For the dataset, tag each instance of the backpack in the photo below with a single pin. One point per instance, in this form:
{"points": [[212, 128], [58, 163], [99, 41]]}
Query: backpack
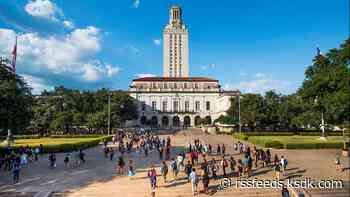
{"points": [[285, 162], [173, 165], [225, 163]]}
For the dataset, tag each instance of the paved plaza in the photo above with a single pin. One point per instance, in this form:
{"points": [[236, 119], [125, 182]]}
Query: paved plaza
{"points": [[97, 177]]}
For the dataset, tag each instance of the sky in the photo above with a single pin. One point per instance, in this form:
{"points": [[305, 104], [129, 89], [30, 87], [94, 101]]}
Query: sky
{"points": [[253, 46]]}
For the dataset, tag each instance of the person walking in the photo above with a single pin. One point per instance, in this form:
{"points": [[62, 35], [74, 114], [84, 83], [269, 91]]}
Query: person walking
{"points": [[224, 165], [218, 150], [188, 170], [284, 163], [111, 154], [15, 172], [152, 174], [205, 177], [67, 158], [164, 170], [223, 149], [174, 168], [232, 164], [130, 169], [121, 164], [52, 158], [214, 168], [277, 169], [194, 181], [82, 156], [338, 166]]}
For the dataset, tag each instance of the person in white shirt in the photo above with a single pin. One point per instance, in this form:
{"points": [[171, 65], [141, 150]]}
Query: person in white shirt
{"points": [[283, 162], [194, 181], [180, 162]]}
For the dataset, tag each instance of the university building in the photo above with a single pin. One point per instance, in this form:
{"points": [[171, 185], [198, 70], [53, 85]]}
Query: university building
{"points": [[176, 99]]}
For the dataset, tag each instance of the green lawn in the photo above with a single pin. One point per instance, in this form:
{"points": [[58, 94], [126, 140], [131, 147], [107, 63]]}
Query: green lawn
{"points": [[298, 142], [59, 144], [50, 141]]}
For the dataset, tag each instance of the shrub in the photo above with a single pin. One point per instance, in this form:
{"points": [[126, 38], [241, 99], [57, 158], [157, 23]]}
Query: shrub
{"points": [[241, 136], [274, 144], [315, 133], [269, 133], [315, 145], [67, 147]]}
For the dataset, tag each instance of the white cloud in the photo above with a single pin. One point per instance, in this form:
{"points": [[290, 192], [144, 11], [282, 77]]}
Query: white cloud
{"points": [[136, 4], [157, 41], [43, 8], [112, 70], [142, 75], [132, 48], [38, 84], [205, 67], [260, 75], [68, 24], [261, 83], [67, 55], [242, 74]]}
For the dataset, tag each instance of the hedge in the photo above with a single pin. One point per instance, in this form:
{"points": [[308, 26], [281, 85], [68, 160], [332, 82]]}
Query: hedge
{"points": [[274, 144], [67, 147], [315, 145], [241, 136], [288, 133], [53, 136], [333, 133]]}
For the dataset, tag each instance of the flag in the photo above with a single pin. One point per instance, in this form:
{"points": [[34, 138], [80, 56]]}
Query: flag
{"points": [[14, 56]]}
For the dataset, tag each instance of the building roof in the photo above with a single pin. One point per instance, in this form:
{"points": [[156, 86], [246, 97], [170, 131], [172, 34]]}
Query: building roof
{"points": [[188, 79]]}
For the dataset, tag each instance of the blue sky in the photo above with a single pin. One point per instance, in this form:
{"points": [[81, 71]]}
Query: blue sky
{"points": [[253, 46]]}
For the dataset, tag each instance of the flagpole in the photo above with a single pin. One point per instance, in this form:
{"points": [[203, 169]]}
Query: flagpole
{"points": [[13, 64]]}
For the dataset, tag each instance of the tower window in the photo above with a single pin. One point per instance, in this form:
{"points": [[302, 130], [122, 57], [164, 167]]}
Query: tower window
{"points": [[154, 105], [143, 106], [187, 106], [207, 105], [197, 105], [165, 106]]}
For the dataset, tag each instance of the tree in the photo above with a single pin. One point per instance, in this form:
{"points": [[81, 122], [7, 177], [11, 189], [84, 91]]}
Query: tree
{"points": [[16, 100], [327, 84]]}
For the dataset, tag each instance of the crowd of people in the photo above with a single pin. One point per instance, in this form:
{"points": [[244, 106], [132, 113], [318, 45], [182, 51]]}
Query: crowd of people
{"points": [[196, 166], [198, 162], [15, 160]]}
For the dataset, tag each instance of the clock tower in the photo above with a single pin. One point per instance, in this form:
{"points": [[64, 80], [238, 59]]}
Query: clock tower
{"points": [[175, 45]]}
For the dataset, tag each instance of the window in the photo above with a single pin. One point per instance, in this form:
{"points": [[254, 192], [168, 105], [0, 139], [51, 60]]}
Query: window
{"points": [[165, 106], [175, 84], [176, 106], [207, 105], [198, 107], [154, 105], [187, 106], [185, 84], [196, 85], [143, 106], [165, 84]]}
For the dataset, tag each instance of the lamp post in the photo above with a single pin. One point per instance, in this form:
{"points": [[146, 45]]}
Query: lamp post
{"points": [[239, 114], [323, 124], [109, 113], [121, 119]]}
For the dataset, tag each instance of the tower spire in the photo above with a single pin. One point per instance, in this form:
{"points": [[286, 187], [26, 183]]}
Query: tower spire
{"points": [[175, 16]]}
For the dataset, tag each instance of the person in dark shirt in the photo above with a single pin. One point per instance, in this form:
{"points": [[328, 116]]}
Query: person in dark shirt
{"points": [[188, 169]]}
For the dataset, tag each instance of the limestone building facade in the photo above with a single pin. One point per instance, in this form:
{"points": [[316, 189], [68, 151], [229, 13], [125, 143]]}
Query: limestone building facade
{"points": [[176, 99]]}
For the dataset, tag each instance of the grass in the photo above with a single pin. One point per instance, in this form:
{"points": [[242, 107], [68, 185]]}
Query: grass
{"points": [[299, 142], [50, 141], [59, 144]]}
